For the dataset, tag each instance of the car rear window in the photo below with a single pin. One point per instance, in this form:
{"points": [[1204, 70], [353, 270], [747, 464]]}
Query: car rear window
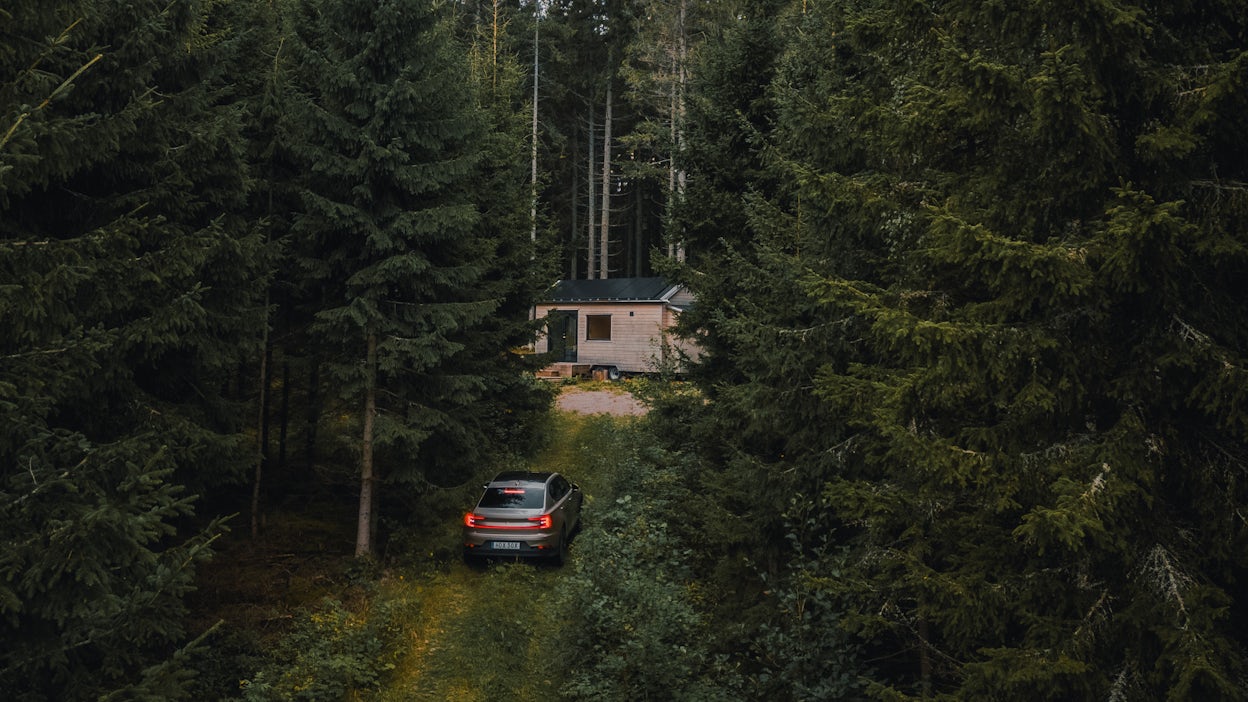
{"points": [[514, 497]]}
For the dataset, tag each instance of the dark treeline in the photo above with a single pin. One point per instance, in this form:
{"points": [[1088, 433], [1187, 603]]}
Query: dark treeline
{"points": [[970, 276], [972, 418], [250, 252]]}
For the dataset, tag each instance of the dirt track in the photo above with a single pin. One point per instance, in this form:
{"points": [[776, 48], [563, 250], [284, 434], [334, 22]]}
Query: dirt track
{"points": [[574, 399]]}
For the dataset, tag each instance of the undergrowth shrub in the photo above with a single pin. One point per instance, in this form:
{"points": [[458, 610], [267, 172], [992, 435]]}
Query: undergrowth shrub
{"points": [[331, 653], [635, 628], [803, 652]]}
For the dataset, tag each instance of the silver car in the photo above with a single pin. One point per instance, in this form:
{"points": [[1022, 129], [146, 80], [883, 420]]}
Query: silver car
{"points": [[523, 515]]}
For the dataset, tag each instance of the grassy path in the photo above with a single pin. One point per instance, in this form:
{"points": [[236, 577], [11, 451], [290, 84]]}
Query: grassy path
{"points": [[478, 632]]}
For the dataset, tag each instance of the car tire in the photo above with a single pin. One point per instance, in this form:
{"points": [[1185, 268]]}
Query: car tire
{"points": [[561, 551]]}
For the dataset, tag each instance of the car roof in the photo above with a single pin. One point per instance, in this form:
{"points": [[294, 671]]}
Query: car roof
{"points": [[522, 476]]}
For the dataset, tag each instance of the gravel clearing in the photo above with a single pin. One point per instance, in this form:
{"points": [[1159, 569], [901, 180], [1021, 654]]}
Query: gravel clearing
{"points": [[574, 399]]}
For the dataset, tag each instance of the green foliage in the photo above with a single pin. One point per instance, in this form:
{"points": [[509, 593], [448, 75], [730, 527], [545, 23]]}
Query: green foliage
{"points": [[638, 630], [127, 285], [332, 653], [410, 231], [970, 290], [803, 652], [507, 630], [94, 596]]}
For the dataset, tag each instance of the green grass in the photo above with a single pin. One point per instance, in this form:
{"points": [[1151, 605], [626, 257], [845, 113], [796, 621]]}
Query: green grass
{"points": [[305, 620], [485, 633]]}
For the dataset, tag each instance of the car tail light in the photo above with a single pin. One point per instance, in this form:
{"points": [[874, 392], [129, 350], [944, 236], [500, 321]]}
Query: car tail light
{"points": [[476, 521]]}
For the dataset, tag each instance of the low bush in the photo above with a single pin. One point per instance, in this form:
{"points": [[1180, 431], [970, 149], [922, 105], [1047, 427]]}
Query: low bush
{"points": [[332, 653]]}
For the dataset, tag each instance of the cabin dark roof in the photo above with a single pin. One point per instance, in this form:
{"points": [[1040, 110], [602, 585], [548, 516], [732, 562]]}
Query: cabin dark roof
{"points": [[609, 290]]}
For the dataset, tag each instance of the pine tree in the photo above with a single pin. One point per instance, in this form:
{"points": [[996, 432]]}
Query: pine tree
{"points": [[127, 298], [390, 143]]}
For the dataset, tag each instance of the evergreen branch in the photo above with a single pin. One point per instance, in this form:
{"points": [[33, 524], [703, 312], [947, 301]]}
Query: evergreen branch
{"points": [[60, 39], [39, 352], [1118, 691], [1171, 581], [924, 641], [1090, 618], [1235, 185], [48, 100], [1189, 333]]}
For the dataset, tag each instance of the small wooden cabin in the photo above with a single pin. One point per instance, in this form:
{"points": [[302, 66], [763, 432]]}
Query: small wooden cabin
{"points": [[615, 326]]}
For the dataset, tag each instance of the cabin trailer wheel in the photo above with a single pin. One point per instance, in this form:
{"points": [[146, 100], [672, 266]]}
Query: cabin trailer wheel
{"points": [[613, 373]]}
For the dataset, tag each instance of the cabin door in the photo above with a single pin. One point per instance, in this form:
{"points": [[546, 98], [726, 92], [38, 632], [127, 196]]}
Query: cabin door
{"points": [[561, 336]]}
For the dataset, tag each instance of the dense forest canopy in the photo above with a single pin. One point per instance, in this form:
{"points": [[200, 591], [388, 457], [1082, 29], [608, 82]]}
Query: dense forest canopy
{"points": [[972, 416]]}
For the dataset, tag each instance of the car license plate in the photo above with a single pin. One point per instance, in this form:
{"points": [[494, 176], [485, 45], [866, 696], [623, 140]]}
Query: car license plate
{"points": [[507, 545]]}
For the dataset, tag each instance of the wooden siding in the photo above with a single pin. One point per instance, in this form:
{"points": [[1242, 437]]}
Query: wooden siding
{"points": [[679, 346], [681, 298], [637, 330]]}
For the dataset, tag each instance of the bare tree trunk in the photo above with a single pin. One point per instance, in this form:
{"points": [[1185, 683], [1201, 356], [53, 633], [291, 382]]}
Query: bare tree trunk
{"points": [[639, 230], [682, 82], [313, 414], [671, 172], [589, 179], [494, 50], [925, 659], [364, 526], [604, 231], [261, 430], [283, 415], [537, 11], [576, 210]]}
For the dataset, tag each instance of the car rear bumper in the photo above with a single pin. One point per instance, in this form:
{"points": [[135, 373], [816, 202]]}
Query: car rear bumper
{"points": [[508, 545]]}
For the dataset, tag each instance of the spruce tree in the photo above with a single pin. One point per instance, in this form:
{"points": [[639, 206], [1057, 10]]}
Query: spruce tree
{"points": [[766, 438], [127, 299], [518, 260], [1024, 226], [390, 144]]}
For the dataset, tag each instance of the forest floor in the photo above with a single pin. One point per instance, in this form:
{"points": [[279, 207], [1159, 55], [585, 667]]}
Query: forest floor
{"points": [[470, 632], [480, 632]]}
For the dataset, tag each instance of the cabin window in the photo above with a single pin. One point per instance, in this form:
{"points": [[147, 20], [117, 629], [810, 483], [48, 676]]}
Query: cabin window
{"points": [[598, 327]]}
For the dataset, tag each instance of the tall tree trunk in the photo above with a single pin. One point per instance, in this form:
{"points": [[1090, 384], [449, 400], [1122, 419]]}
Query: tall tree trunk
{"points": [[494, 50], [925, 659], [590, 196], [639, 230], [364, 526], [262, 433], [576, 210], [678, 118], [265, 420], [283, 415], [313, 415], [670, 210], [605, 228], [537, 22]]}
